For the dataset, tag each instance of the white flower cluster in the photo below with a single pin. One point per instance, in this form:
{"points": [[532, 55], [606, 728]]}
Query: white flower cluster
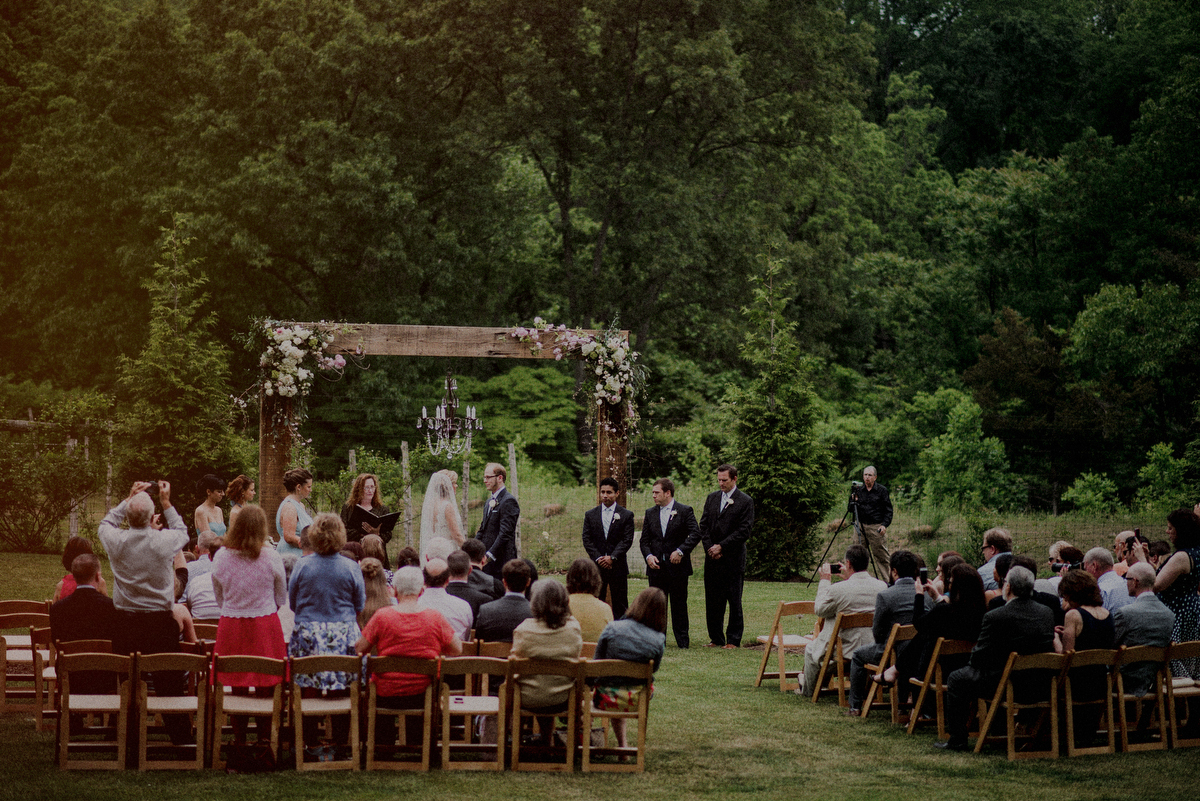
{"points": [[607, 355], [289, 349]]}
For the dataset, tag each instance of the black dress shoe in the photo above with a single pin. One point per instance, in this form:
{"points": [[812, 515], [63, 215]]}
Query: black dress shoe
{"points": [[951, 745]]}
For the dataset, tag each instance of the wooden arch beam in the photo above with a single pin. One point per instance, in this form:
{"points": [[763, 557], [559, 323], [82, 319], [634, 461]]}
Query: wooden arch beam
{"points": [[274, 446]]}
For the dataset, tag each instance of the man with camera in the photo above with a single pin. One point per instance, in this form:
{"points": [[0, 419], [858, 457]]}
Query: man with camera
{"points": [[141, 558], [874, 516], [855, 593]]}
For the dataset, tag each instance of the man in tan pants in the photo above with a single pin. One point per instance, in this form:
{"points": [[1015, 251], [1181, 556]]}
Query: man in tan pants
{"points": [[874, 516]]}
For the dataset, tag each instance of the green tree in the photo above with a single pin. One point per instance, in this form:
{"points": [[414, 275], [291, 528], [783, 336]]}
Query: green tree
{"points": [[1093, 494], [53, 470], [177, 389], [782, 464], [963, 469], [1162, 481]]}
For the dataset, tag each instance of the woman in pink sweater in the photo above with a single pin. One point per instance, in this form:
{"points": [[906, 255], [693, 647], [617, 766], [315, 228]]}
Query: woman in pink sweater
{"points": [[248, 581]]}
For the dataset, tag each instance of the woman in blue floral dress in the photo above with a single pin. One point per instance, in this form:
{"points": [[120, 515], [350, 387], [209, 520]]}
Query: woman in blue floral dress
{"points": [[326, 592]]}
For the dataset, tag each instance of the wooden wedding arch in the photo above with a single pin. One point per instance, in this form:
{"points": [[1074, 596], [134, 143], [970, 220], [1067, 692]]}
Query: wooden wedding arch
{"points": [[274, 440]]}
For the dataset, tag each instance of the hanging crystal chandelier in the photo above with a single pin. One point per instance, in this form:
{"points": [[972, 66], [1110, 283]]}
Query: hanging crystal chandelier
{"points": [[444, 432]]}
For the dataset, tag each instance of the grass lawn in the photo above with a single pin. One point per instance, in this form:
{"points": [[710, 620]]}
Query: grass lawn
{"points": [[712, 735]]}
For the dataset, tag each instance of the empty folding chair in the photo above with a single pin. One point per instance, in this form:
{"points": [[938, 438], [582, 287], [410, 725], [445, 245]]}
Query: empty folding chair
{"points": [[782, 643], [1182, 693], [151, 708], [94, 689]]}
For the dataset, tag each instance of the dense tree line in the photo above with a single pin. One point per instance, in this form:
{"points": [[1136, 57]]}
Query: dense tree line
{"points": [[986, 211]]}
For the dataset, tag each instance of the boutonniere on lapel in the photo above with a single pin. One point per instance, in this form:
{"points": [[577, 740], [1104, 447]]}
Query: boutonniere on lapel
{"points": [[616, 516], [729, 503], [492, 503], [673, 513]]}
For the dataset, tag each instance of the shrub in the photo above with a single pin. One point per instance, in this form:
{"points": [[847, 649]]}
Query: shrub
{"points": [[1093, 494]]}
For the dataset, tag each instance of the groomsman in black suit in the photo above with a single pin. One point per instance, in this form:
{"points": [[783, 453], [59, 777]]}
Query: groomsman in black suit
{"points": [[498, 530], [607, 537], [669, 533], [724, 529]]}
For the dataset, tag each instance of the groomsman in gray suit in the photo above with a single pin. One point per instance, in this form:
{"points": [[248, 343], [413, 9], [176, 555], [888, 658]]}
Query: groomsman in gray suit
{"points": [[1144, 621]]}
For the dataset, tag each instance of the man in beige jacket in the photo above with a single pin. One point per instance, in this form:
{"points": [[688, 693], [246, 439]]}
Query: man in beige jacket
{"points": [[855, 593]]}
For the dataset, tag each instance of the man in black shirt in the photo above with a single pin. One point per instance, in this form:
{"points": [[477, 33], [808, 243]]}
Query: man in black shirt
{"points": [[874, 515]]}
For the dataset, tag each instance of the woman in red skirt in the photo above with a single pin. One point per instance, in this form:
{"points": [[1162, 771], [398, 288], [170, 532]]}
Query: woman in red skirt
{"points": [[248, 580]]}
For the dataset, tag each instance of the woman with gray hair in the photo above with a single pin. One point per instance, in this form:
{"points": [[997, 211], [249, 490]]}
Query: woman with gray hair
{"points": [[404, 629]]}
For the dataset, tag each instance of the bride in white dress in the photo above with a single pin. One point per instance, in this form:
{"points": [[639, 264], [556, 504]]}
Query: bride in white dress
{"points": [[439, 513]]}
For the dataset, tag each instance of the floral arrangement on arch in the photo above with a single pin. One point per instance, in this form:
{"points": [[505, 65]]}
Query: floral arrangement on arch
{"points": [[618, 378], [292, 355]]}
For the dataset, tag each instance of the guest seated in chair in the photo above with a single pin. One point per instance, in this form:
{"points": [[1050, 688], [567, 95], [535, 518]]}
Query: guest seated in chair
{"points": [[405, 629], [959, 619], [552, 633], [640, 636]]}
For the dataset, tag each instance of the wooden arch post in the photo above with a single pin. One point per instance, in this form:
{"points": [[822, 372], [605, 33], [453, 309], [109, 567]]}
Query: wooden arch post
{"points": [[274, 442]]}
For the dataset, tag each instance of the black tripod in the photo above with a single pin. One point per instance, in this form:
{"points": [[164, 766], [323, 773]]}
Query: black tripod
{"points": [[859, 538]]}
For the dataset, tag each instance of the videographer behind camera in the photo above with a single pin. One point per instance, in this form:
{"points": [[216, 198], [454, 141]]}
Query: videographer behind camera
{"points": [[141, 558], [874, 515]]}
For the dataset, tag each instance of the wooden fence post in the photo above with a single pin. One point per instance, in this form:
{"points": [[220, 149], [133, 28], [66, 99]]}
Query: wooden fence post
{"points": [[73, 526], [353, 463], [512, 487]]}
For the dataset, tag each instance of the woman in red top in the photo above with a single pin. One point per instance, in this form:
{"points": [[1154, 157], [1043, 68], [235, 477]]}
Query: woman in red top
{"points": [[405, 630]]}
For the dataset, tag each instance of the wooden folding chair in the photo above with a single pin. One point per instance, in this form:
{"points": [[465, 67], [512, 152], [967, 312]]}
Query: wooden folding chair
{"points": [[326, 707], [470, 705], [45, 678], [206, 631], [423, 752], [1182, 692], [781, 643], [494, 649], [151, 708], [567, 668], [599, 669], [226, 705], [89, 738], [900, 634], [17, 685], [16, 607], [935, 679], [1048, 668], [1093, 658], [835, 655], [588, 650], [1143, 655]]}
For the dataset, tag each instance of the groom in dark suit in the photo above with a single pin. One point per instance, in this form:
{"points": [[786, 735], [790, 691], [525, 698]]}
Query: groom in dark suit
{"points": [[724, 529], [607, 537], [669, 533], [498, 530]]}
